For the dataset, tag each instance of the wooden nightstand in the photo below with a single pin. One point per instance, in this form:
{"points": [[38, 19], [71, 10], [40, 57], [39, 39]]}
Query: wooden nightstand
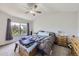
{"points": [[62, 40]]}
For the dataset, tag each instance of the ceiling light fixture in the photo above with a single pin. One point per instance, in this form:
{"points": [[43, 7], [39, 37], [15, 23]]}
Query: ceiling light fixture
{"points": [[33, 10]]}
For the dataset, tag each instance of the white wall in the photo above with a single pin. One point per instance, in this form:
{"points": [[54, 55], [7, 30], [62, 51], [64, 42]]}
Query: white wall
{"points": [[64, 21], [3, 25], [78, 23]]}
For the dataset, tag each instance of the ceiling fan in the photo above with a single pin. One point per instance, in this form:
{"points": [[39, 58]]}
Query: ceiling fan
{"points": [[33, 8]]}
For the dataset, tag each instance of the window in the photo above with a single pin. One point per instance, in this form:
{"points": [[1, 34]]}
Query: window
{"points": [[18, 29], [23, 29]]}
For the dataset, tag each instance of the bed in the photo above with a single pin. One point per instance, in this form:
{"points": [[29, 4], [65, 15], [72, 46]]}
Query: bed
{"points": [[28, 44]]}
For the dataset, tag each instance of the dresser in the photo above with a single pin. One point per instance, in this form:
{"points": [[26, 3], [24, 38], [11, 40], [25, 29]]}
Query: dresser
{"points": [[62, 40], [75, 46]]}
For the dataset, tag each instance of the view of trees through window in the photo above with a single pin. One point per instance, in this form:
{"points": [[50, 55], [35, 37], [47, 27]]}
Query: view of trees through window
{"points": [[18, 29]]}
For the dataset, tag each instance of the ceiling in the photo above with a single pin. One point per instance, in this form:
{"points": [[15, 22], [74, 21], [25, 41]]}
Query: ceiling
{"points": [[19, 9]]}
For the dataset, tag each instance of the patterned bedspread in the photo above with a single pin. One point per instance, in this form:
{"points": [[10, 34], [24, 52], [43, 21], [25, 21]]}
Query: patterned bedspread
{"points": [[31, 41]]}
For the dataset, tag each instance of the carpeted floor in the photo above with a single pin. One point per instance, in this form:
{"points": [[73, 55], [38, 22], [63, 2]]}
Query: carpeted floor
{"points": [[58, 51], [8, 50]]}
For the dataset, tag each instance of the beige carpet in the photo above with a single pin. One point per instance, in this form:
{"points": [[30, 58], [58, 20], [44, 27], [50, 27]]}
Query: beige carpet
{"points": [[60, 51], [8, 50]]}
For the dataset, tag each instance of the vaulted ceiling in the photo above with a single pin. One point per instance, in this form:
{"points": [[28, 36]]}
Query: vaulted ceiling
{"points": [[19, 9]]}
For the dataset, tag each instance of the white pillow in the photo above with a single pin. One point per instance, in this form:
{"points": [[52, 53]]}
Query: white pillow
{"points": [[43, 33]]}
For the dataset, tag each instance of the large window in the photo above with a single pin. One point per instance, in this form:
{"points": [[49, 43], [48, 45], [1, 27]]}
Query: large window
{"points": [[18, 29]]}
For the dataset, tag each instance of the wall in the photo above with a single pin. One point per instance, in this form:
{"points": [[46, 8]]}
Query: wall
{"points": [[78, 23], [55, 21], [3, 25], [64, 21]]}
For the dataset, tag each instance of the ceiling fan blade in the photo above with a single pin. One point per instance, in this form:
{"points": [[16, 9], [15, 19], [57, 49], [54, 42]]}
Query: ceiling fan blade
{"points": [[35, 6], [27, 12], [38, 11], [30, 4], [33, 14]]}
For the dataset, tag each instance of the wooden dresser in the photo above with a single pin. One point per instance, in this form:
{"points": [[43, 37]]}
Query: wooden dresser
{"points": [[62, 40], [75, 46]]}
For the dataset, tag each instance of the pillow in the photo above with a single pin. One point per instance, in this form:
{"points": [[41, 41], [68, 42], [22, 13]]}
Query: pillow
{"points": [[43, 33]]}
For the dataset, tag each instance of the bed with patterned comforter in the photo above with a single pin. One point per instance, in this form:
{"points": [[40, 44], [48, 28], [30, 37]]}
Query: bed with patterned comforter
{"points": [[32, 41]]}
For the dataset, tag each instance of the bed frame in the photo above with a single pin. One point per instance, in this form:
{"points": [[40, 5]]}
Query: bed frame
{"points": [[22, 51]]}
